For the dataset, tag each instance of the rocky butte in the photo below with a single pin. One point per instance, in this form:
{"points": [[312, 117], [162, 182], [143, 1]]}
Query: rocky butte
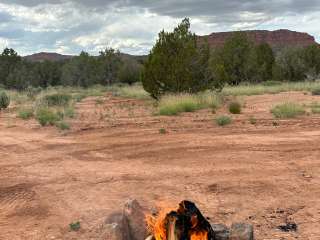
{"points": [[276, 39]]}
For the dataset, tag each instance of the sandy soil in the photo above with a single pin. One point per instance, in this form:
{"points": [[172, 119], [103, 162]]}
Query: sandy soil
{"points": [[261, 174]]}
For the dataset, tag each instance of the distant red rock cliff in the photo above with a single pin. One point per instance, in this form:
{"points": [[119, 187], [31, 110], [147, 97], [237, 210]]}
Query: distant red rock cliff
{"points": [[277, 39], [45, 56]]}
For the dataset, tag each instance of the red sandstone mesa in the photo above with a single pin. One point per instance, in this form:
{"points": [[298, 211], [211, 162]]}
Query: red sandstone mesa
{"points": [[277, 39]]}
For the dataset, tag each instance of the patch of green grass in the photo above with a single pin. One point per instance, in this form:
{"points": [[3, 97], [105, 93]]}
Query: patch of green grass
{"points": [[271, 83], [46, 117], [25, 113], [287, 110], [315, 108], [176, 104], [235, 108], [223, 120], [129, 91], [258, 89], [75, 226], [62, 125], [316, 91], [99, 101], [79, 97], [253, 120], [69, 112], [162, 131], [57, 99]]}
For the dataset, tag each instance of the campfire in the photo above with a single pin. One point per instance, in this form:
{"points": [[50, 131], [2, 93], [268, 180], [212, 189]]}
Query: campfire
{"points": [[184, 223]]}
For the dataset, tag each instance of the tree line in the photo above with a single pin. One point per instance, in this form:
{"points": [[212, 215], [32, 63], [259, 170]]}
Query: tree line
{"points": [[84, 70], [178, 62]]}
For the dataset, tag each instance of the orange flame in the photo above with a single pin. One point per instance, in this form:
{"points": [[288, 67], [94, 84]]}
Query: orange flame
{"points": [[157, 225], [199, 236], [158, 228]]}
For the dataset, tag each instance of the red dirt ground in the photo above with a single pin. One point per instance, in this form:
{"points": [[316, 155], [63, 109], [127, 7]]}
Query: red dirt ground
{"points": [[260, 174]]}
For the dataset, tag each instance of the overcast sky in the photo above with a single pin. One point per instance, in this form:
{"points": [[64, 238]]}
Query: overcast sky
{"points": [[69, 26]]}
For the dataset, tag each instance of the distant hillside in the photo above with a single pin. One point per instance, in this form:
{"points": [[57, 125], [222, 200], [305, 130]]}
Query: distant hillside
{"points": [[277, 39], [43, 56]]}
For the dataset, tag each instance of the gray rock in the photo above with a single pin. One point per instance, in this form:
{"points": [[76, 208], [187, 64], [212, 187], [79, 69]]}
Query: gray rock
{"points": [[241, 231], [111, 232], [135, 217], [221, 231], [122, 223]]}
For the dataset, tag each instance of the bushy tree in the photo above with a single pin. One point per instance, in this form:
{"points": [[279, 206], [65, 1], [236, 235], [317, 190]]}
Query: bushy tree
{"points": [[262, 63], [110, 62], [311, 59], [290, 65], [130, 72], [9, 59], [177, 63], [233, 60], [82, 71], [49, 73], [22, 76]]}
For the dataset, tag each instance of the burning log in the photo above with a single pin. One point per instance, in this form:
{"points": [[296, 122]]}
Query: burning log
{"points": [[186, 223]]}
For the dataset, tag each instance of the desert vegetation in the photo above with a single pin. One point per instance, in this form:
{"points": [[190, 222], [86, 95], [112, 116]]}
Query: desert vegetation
{"points": [[97, 124], [288, 110]]}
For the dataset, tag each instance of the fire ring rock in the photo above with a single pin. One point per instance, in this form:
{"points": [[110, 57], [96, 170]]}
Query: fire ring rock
{"points": [[221, 232], [241, 231], [135, 217]]}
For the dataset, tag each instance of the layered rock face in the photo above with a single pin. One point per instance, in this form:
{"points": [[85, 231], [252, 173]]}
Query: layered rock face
{"points": [[277, 39]]}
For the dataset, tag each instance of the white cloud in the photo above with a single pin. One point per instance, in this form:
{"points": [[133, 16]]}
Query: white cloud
{"points": [[132, 25]]}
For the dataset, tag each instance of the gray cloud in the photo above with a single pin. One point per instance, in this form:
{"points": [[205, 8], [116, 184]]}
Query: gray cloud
{"points": [[132, 25]]}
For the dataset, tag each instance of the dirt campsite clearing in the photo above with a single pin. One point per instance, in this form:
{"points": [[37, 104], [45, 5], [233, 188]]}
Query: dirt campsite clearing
{"points": [[265, 172]]}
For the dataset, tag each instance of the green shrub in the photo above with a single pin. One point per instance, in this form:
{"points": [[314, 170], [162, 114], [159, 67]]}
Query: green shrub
{"points": [[223, 120], [99, 101], [79, 97], [75, 226], [287, 110], [271, 83], [57, 99], [4, 100], [25, 113], [69, 112], [252, 120], [162, 131], [275, 123], [32, 92], [315, 108], [316, 91], [235, 108], [46, 117], [62, 125], [175, 104]]}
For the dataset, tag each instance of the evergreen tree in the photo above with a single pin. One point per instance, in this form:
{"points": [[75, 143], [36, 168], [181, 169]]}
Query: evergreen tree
{"points": [[311, 58], [9, 59], [262, 62], [109, 63], [82, 71], [177, 63], [290, 65], [233, 61], [130, 72]]}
